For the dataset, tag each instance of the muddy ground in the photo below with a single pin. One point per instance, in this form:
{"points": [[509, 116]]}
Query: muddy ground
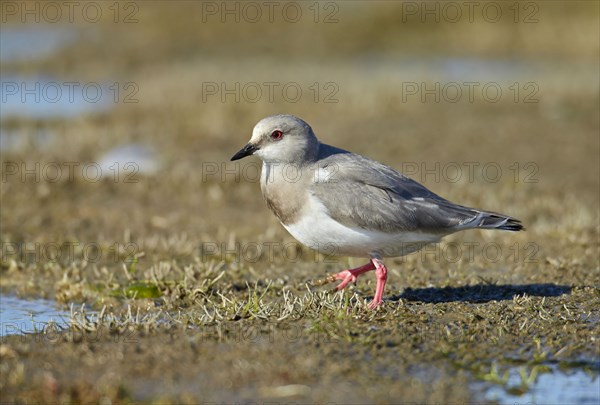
{"points": [[184, 286]]}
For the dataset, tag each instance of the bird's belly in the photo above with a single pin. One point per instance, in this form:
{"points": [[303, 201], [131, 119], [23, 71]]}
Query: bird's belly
{"points": [[317, 230]]}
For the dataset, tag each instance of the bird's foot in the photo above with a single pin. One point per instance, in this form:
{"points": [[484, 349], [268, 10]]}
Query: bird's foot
{"points": [[347, 276], [351, 275]]}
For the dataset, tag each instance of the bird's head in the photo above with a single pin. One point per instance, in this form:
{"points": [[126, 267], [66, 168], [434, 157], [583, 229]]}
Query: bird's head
{"points": [[281, 139]]}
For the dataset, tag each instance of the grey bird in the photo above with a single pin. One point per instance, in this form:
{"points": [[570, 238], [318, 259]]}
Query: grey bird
{"points": [[343, 203]]}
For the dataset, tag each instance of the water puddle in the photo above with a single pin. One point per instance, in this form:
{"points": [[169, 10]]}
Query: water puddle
{"points": [[132, 158], [460, 69], [556, 387], [469, 68], [22, 44], [20, 316], [43, 97]]}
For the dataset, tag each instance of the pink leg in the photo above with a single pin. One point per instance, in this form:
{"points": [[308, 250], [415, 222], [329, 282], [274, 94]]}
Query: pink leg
{"points": [[381, 275], [351, 275], [347, 276]]}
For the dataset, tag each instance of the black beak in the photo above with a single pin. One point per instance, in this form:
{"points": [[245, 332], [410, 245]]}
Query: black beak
{"points": [[245, 151]]}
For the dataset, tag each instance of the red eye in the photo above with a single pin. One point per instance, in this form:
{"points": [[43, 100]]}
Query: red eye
{"points": [[277, 135]]}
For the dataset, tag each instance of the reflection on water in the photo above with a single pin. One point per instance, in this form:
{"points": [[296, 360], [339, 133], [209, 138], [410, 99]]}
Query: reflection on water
{"points": [[558, 387], [18, 315]]}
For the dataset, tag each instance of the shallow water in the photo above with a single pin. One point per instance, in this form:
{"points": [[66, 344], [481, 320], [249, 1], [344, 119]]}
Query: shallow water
{"points": [[452, 68], [558, 387], [19, 315], [28, 43], [132, 158], [45, 97], [41, 96]]}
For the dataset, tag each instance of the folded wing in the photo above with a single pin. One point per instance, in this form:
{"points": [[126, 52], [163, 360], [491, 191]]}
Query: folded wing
{"points": [[362, 193]]}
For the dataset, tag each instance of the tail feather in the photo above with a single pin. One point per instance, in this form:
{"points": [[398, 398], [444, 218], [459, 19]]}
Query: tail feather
{"points": [[491, 220]]}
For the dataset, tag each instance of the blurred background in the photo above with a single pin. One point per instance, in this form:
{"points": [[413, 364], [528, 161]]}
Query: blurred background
{"points": [[118, 120], [176, 87]]}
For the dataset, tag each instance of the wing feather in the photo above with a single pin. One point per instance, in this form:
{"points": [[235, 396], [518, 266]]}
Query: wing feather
{"points": [[360, 192]]}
